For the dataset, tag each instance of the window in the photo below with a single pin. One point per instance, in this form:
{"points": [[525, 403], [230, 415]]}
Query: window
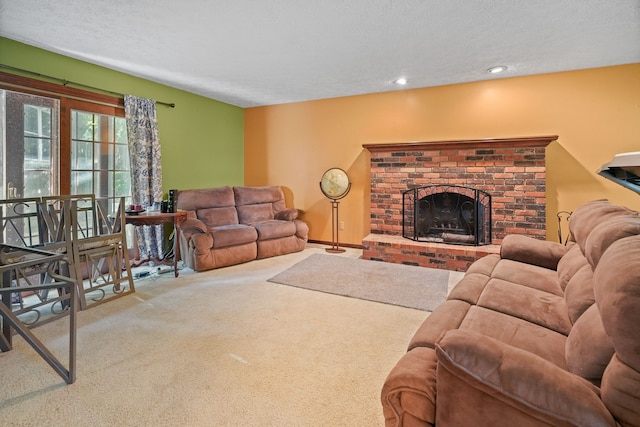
{"points": [[99, 156], [60, 140], [29, 145]]}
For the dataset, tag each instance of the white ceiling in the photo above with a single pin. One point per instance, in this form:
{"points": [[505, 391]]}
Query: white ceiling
{"points": [[264, 52]]}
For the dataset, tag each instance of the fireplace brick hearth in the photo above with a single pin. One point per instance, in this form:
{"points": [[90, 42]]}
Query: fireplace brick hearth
{"points": [[512, 170]]}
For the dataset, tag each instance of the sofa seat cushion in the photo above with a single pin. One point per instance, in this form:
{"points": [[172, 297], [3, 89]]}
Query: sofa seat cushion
{"points": [[484, 265], [469, 288], [231, 235], [447, 316], [532, 305], [529, 275], [274, 229], [544, 342]]}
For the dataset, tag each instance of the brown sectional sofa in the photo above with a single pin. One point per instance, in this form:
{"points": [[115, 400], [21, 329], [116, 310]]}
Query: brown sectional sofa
{"points": [[541, 335], [227, 226]]}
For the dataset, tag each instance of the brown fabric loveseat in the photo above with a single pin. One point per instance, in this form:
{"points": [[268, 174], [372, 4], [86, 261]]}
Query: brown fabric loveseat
{"points": [[227, 226], [541, 335]]}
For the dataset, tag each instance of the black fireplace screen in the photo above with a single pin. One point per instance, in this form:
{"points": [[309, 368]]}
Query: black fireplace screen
{"points": [[447, 214]]}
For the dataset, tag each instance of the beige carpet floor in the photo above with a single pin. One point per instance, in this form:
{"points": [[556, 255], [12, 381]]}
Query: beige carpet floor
{"points": [[218, 348]]}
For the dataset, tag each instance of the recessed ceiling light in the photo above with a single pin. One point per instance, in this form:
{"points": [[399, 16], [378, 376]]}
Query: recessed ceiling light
{"points": [[496, 70], [401, 81]]}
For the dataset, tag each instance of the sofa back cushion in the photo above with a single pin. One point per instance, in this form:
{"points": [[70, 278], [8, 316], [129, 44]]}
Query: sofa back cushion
{"points": [[616, 283], [570, 264], [255, 204], [588, 348], [588, 215], [578, 294], [603, 235], [617, 292]]}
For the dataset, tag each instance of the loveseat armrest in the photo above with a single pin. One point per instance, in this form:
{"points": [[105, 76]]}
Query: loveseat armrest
{"points": [[192, 226], [484, 382], [542, 253], [288, 214]]}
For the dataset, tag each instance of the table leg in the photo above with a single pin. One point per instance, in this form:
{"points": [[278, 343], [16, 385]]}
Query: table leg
{"points": [[5, 339], [176, 245]]}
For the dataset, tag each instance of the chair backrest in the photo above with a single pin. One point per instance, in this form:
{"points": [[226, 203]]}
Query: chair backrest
{"points": [[52, 212], [97, 242], [19, 222]]}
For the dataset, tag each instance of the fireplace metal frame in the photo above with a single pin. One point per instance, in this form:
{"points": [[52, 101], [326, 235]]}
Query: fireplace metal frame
{"points": [[482, 207]]}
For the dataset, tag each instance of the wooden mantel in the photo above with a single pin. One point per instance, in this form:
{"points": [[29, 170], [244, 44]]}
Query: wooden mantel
{"points": [[529, 141]]}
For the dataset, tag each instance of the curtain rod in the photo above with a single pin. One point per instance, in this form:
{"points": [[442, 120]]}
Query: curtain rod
{"points": [[82, 85]]}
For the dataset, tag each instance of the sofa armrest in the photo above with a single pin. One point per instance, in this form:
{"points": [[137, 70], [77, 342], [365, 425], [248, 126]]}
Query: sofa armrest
{"points": [[542, 253], [504, 385], [288, 214]]}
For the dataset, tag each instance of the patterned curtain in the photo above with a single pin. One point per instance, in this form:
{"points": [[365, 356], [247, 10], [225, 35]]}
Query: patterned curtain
{"points": [[146, 171]]}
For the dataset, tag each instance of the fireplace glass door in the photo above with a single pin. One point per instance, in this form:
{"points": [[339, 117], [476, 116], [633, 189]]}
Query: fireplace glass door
{"points": [[447, 214]]}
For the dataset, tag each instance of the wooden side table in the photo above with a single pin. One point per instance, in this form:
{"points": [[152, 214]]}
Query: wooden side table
{"points": [[159, 218]]}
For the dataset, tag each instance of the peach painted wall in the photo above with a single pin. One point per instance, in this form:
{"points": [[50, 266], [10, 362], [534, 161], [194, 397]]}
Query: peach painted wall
{"points": [[595, 112]]}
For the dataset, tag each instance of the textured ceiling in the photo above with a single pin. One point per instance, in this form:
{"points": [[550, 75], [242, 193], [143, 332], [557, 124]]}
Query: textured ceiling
{"points": [[263, 52]]}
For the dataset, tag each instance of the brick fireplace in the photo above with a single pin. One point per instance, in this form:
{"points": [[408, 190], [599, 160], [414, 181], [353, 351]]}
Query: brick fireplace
{"points": [[512, 170]]}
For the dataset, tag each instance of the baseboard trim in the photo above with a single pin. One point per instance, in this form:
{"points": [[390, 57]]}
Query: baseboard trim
{"points": [[342, 245]]}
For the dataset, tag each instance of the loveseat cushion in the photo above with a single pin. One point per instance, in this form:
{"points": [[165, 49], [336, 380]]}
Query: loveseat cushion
{"points": [[260, 195], [231, 235], [192, 200], [274, 229], [213, 206], [214, 217], [251, 214], [270, 200]]}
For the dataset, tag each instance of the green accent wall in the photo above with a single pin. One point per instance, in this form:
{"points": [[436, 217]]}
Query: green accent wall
{"points": [[202, 139]]}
